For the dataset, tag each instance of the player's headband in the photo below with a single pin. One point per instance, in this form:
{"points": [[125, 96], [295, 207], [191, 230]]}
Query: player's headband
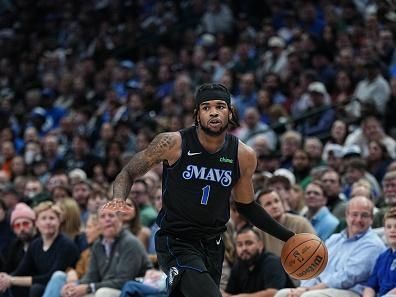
{"points": [[212, 92]]}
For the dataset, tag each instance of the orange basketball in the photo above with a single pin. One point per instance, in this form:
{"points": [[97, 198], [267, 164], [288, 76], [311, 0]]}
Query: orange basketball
{"points": [[304, 256]]}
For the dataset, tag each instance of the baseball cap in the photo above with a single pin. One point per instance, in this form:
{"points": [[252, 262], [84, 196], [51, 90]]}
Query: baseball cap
{"points": [[351, 151], [133, 84], [332, 148], [286, 173], [127, 64], [276, 41], [38, 111], [317, 87], [78, 174]]}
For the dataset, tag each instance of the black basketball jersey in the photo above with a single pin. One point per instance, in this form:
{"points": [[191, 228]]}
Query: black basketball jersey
{"points": [[197, 188]]}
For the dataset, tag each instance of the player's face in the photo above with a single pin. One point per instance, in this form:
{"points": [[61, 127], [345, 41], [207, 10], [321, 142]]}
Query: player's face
{"points": [[390, 232], [213, 117], [248, 245]]}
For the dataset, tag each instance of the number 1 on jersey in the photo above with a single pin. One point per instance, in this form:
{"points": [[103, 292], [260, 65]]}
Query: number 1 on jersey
{"points": [[205, 195]]}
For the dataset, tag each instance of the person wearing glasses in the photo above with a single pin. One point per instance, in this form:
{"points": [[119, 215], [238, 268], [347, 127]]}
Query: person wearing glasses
{"points": [[323, 221], [352, 256], [50, 252], [22, 222]]}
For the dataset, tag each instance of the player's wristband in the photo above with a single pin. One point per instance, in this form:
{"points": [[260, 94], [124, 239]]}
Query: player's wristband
{"points": [[261, 219]]}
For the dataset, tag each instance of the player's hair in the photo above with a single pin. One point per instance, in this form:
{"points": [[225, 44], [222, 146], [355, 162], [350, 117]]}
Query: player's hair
{"points": [[234, 122]]}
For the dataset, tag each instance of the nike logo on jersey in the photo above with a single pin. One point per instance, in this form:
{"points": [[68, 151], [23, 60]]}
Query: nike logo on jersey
{"points": [[218, 241], [193, 154]]}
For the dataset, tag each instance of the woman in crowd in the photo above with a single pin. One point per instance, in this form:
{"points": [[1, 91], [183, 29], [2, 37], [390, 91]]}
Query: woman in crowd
{"points": [[60, 278], [50, 252], [378, 159], [71, 222], [133, 224]]}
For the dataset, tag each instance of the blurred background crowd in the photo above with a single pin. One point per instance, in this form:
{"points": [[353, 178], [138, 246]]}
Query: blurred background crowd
{"points": [[86, 84]]}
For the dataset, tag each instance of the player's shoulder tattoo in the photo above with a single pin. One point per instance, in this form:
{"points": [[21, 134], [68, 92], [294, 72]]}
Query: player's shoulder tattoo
{"points": [[156, 152], [162, 144]]}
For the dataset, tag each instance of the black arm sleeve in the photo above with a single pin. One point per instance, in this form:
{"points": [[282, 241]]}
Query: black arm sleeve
{"points": [[261, 219]]}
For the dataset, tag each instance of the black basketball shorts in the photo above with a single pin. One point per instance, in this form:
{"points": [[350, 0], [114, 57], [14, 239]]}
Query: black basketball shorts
{"points": [[176, 256]]}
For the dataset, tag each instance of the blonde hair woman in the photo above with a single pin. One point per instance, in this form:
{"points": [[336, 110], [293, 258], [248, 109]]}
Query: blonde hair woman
{"points": [[60, 278], [71, 222], [50, 252], [133, 224]]}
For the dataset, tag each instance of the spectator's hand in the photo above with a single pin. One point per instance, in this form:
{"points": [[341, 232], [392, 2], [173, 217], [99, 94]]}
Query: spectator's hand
{"points": [[67, 289], [79, 291], [153, 274], [73, 290], [5, 281], [118, 205], [297, 292]]}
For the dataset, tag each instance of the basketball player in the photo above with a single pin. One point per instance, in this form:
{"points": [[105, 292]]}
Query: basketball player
{"points": [[202, 165]]}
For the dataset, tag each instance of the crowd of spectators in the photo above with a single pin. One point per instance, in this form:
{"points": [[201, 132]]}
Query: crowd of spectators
{"points": [[84, 85]]}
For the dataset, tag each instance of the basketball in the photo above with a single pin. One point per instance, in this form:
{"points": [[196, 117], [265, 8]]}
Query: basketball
{"points": [[304, 256]]}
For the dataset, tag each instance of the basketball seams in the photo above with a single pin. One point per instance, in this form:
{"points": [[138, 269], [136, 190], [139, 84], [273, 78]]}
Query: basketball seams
{"points": [[303, 254], [313, 253], [323, 262], [310, 239]]}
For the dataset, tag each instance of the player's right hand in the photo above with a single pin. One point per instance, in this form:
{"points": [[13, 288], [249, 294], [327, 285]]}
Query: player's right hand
{"points": [[118, 205]]}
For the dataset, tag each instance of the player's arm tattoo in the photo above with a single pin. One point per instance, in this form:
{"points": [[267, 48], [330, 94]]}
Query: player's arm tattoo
{"points": [[142, 162]]}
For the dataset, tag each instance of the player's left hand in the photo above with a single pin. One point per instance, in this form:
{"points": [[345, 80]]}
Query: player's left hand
{"points": [[118, 205]]}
